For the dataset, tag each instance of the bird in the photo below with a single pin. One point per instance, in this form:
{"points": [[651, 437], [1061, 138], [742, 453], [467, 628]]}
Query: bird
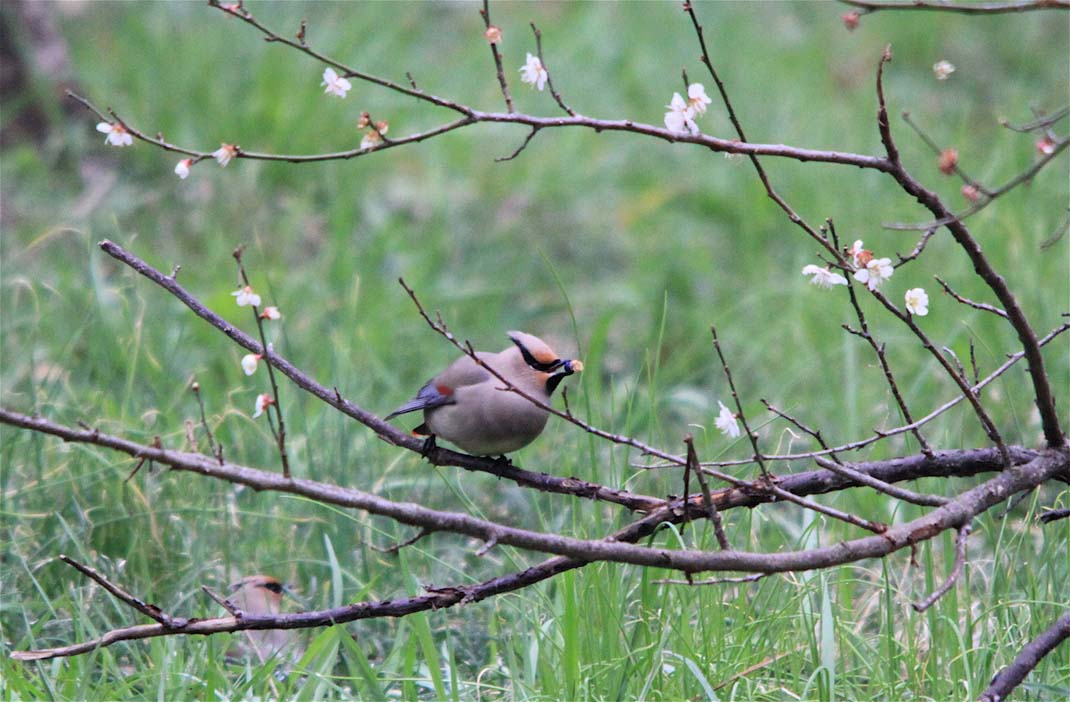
{"points": [[471, 408], [262, 594]]}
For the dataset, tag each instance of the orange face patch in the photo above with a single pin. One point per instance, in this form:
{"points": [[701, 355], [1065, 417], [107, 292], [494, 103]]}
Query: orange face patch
{"points": [[544, 356]]}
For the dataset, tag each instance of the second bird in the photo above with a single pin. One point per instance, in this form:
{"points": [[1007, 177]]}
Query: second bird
{"points": [[469, 407]]}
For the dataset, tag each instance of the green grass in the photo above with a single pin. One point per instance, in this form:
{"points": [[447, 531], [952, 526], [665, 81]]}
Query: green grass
{"points": [[621, 249]]}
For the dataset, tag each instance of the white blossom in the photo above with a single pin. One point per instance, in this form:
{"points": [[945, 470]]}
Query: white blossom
{"points": [[856, 251], [263, 401], [823, 277], [371, 139], [224, 153], [271, 313], [726, 422], [917, 301], [681, 116], [336, 84], [942, 69], [246, 296], [534, 72], [182, 169], [249, 362], [697, 98], [117, 134], [875, 272]]}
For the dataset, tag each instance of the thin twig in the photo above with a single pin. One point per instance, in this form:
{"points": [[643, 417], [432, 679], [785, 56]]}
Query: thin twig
{"points": [[146, 608], [711, 506], [523, 145], [485, 14], [751, 436], [217, 449], [223, 602], [918, 248], [267, 351], [948, 217], [773, 195], [401, 544], [956, 168], [966, 301], [956, 571], [549, 77], [1039, 123]]}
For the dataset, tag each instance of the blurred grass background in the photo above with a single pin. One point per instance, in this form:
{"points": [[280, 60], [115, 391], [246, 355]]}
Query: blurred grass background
{"points": [[621, 250]]}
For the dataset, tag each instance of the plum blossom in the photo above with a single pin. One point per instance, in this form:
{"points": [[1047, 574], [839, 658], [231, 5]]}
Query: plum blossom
{"points": [[917, 302], [1045, 146], [697, 98], [493, 35], [371, 140], [263, 401], [336, 84], [942, 69], [823, 277], [949, 159], [681, 116], [271, 313], [246, 296], [117, 134], [874, 272], [224, 153], [249, 362], [534, 72], [971, 192], [182, 168], [856, 252], [850, 20], [726, 422]]}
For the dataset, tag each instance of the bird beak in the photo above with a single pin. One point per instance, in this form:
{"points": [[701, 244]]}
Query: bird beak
{"points": [[572, 366]]}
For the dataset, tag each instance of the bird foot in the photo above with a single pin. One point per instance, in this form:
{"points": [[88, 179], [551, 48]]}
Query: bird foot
{"points": [[428, 447], [504, 461]]}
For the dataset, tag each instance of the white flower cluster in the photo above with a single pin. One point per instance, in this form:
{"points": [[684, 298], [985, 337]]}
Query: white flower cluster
{"points": [[871, 272], [681, 115]]}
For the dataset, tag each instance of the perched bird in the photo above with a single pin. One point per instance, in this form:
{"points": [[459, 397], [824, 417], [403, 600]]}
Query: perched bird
{"points": [[469, 407], [262, 594]]}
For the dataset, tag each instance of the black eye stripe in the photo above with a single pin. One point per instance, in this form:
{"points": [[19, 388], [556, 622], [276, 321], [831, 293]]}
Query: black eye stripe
{"points": [[537, 365]]}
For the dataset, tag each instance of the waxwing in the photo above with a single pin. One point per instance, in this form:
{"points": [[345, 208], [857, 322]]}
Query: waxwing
{"points": [[262, 594], [468, 406]]}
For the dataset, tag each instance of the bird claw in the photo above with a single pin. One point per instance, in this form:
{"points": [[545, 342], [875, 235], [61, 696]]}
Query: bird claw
{"points": [[428, 447]]}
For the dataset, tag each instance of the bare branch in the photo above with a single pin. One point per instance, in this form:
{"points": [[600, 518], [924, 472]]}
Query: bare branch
{"points": [[146, 608], [965, 8], [918, 248], [711, 506], [966, 301], [620, 546], [1012, 676], [523, 145], [956, 571], [1054, 515], [1024, 177], [1039, 123], [402, 544]]}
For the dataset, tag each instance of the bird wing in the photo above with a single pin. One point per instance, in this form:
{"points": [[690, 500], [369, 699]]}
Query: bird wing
{"points": [[440, 390]]}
